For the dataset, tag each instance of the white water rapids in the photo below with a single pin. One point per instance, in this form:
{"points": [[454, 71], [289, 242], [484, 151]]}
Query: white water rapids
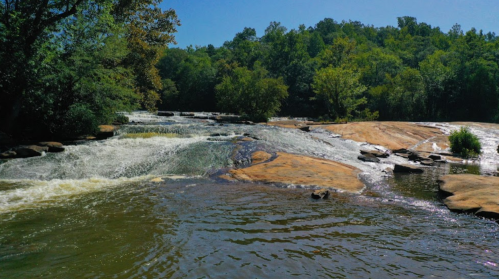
{"points": [[200, 147]]}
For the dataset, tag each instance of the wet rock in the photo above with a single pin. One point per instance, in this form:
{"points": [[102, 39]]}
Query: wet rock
{"points": [[471, 193], [435, 157], [440, 161], [400, 151], [320, 194], [368, 158], [375, 153], [105, 131], [406, 169], [305, 128], [186, 114], [8, 155], [414, 156], [303, 170], [260, 157], [30, 151], [165, 113], [53, 146], [426, 162]]}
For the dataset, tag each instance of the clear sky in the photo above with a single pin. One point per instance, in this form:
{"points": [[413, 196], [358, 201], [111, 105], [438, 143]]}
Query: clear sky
{"points": [[216, 21]]}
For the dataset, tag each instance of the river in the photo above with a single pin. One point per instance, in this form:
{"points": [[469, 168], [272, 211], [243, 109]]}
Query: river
{"points": [[93, 211]]}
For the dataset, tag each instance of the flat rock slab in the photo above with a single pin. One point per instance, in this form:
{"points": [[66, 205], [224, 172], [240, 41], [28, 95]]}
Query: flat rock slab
{"points": [[303, 170], [472, 193], [392, 135]]}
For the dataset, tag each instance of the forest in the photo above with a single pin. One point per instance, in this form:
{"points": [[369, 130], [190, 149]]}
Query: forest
{"points": [[341, 71], [68, 65]]}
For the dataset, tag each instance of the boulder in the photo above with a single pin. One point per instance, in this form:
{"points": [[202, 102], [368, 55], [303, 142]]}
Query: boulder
{"points": [[106, 131], [8, 155], [305, 128], [375, 153], [53, 146], [414, 156], [165, 113], [186, 114], [320, 194], [400, 151], [471, 193], [30, 151], [407, 169], [368, 158], [302, 170]]}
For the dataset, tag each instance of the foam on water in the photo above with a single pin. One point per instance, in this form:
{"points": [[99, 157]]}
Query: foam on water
{"points": [[21, 194]]}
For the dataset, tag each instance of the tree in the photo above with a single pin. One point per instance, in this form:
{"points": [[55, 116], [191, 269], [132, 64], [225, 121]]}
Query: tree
{"points": [[251, 93], [341, 88]]}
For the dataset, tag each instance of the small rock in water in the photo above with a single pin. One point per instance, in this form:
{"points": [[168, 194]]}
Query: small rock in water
{"points": [[426, 162], [106, 131], [8, 155], [407, 169], [30, 151], [320, 194], [305, 129], [435, 157], [368, 158], [165, 113], [375, 153], [53, 146]]}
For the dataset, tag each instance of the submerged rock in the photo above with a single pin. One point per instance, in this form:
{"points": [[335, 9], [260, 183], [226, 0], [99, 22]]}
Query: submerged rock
{"points": [[471, 193], [186, 114], [320, 194], [407, 169], [305, 128], [303, 170]]}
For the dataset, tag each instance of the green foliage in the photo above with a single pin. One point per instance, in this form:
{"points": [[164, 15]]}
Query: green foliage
{"points": [[341, 89], [78, 61], [121, 119], [465, 143], [251, 93]]}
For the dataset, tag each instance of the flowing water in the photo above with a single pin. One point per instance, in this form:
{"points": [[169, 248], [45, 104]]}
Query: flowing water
{"points": [[93, 211]]}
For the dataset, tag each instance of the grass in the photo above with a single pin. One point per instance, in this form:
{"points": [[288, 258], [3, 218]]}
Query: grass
{"points": [[150, 135], [465, 143]]}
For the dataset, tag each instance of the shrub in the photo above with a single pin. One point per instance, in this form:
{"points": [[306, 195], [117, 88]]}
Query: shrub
{"points": [[465, 143], [121, 119]]}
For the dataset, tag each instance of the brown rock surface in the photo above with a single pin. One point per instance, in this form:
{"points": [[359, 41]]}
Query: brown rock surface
{"points": [[106, 131], [303, 170], [259, 157], [392, 135], [472, 193]]}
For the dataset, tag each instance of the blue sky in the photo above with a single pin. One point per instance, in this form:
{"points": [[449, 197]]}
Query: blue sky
{"points": [[216, 21]]}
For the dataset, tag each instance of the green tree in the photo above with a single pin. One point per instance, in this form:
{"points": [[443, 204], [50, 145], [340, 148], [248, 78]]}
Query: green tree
{"points": [[251, 93], [341, 89]]}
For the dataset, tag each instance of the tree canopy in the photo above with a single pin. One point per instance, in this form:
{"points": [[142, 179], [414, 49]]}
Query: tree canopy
{"points": [[411, 71]]}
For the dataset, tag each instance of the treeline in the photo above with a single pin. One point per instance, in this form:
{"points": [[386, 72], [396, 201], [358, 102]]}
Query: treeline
{"points": [[338, 70], [68, 65]]}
